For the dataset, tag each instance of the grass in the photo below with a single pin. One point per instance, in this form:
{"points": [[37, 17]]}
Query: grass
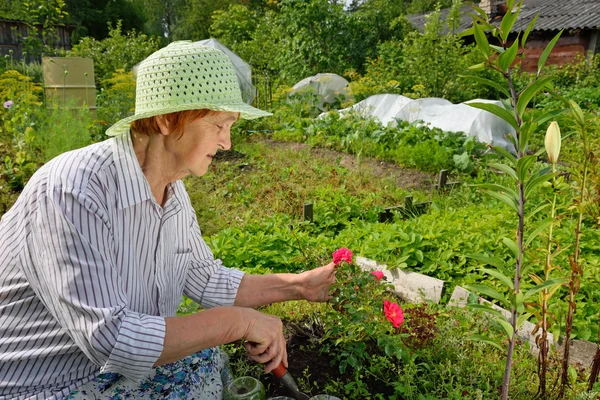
{"points": [[276, 178]]}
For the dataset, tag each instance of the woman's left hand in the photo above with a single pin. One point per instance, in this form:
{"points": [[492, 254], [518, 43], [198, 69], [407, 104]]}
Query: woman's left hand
{"points": [[314, 284]]}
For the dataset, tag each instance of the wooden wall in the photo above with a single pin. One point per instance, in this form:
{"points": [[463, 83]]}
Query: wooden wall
{"points": [[12, 32]]}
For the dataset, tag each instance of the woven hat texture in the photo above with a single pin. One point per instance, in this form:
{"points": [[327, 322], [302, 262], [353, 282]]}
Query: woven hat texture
{"points": [[186, 76]]}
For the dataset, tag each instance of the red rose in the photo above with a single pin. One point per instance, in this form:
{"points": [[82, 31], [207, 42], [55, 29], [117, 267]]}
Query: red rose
{"points": [[377, 275], [393, 313], [342, 254]]}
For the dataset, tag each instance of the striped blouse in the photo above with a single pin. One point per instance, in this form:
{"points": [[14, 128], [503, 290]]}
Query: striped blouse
{"points": [[90, 265]]}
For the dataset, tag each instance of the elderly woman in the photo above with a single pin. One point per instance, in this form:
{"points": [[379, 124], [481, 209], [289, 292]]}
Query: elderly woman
{"points": [[103, 241]]}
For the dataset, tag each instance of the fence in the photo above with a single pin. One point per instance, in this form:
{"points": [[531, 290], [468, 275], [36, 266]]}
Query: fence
{"points": [[12, 44]]}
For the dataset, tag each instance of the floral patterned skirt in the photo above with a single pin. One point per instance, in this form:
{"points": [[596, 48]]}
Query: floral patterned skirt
{"points": [[200, 376]]}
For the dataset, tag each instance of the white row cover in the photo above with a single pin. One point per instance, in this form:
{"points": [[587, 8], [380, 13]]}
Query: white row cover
{"points": [[438, 113], [327, 86]]}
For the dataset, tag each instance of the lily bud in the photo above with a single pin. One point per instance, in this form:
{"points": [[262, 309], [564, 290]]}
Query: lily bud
{"points": [[552, 142]]}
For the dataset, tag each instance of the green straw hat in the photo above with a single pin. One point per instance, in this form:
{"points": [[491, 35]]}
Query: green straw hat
{"points": [[186, 76]]}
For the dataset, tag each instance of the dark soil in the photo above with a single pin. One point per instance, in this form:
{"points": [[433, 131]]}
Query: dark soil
{"points": [[306, 362], [229, 155]]}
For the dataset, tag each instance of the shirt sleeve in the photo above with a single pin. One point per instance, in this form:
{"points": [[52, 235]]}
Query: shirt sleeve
{"points": [[208, 281], [73, 272]]}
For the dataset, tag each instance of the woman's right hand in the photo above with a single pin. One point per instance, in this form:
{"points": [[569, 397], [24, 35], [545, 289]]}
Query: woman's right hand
{"points": [[264, 339]]}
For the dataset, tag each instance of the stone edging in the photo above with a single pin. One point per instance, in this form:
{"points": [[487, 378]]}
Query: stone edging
{"points": [[414, 287]]}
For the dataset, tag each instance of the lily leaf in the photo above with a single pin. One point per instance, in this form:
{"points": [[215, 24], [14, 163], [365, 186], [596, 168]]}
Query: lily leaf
{"points": [[528, 31], [506, 59], [507, 23], [499, 189], [577, 113], [497, 49], [504, 168], [481, 40], [508, 328], [547, 50], [522, 318], [550, 283], [543, 227], [498, 111], [500, 276], [542, 207], [490, 292], [477, 67], [493, 261], [506, 154], [529, 92], [487, 82], [550, 115], [505, 198], [523, 166], [512, 246], [485, 339], [487, 309], [537, 180]]}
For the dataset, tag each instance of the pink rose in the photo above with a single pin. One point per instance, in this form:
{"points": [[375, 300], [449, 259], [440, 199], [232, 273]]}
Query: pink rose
{"points": [[393, 313], [342, 254], [377, 274]]}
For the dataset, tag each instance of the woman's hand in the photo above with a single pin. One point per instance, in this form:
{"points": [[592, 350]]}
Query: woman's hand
{"points": [[264, 339], [314, 284]]}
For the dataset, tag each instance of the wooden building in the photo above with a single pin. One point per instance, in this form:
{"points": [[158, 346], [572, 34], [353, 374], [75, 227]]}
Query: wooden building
{"points": [[580, 20], [12, 34]]}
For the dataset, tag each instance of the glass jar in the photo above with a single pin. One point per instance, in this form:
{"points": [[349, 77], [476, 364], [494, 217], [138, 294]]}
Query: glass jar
{"points": [[245, 388]]}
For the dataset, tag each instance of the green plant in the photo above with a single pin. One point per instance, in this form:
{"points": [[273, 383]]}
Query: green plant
{"points": [[526, 179], [42, 18], [117, 51], [581, 205], [117, 98], [553, 140]]}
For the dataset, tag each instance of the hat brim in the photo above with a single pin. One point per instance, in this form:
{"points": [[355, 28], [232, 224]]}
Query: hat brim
{"points": [[246, 112]]}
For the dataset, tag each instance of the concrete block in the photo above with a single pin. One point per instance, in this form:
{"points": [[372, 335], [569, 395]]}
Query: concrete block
{"points": [[581, 352], [459, 297], [410, 286]]}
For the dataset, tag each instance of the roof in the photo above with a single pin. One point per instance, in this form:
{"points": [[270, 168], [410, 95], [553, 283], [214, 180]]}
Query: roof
{"points": [[554, 15]]}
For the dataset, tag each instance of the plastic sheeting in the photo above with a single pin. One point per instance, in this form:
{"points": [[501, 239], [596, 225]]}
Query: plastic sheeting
{"points": [[327, 86], [384, 107], [439, 113], [242, 69]]}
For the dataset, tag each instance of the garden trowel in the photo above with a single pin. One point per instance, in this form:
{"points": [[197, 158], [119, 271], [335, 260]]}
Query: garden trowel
{"points": [[288, 382]]}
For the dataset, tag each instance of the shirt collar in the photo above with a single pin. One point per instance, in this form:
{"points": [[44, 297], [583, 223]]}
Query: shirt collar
{"points": [[133, 185]]}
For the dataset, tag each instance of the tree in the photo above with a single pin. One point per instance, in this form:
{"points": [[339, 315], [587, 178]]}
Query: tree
{"points": [[314, 39], [117, 51], [161, 17], [92, 18], [196, 18], [434, 59], [9, 9]]}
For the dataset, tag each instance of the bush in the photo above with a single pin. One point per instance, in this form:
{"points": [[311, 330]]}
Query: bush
{"points": [[117, 51], [117, 98]]}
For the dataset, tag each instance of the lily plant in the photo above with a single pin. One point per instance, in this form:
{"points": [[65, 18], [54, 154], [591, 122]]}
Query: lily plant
{"points": [[523, 170]]}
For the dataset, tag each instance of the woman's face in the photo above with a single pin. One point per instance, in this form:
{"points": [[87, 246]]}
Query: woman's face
{"points": [[200, 141]]}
